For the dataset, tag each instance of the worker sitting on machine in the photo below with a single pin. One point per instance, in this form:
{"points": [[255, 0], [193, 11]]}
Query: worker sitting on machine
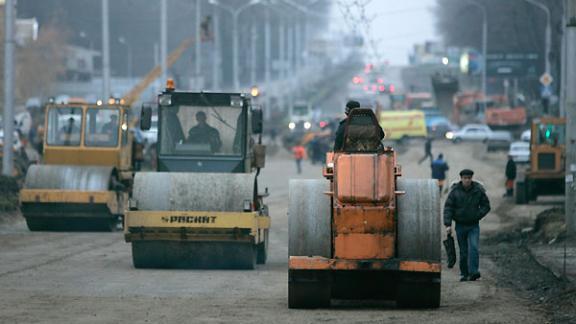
{"points": [[203, 133], [365, 126], [70, 133], [111, 129], [362, 133]]}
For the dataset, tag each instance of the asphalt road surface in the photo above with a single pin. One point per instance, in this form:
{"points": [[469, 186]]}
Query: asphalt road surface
{"points": [[89, 278]]}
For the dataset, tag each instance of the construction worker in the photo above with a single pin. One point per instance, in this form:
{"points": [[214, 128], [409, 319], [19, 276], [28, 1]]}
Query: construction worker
{"points": [[466, 205], [299, 152], [70, 133], [111, 128], [204, 133], [510, 177], [439, 168], [340, 132]]}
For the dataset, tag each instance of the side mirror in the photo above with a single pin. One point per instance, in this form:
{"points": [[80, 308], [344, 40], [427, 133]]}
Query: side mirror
{"points": [[146, 117], [259, 155], [257, 121]]}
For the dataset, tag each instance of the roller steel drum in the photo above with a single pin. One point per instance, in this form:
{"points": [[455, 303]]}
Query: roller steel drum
{"points": [[219, 192], [68, 178], [419, 223], [309, 218]]}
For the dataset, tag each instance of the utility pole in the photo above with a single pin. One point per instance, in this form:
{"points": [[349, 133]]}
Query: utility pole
{"points": [[105, 52], [216, 50], [267, 62], [484, 45], [198, 41], [10, 16], [253, 54], [163, 41], [570, 106]]}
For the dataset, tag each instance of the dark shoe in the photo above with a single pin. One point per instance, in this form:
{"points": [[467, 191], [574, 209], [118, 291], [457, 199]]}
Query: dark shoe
{"points": [[474, 277], [463, 278]]}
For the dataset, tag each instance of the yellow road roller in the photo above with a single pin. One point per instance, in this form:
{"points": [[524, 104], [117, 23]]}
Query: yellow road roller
{"points": [[86, 175], [202, 208]]}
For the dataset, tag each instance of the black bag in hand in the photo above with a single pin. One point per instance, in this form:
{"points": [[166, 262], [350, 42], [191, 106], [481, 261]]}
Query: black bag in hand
{"points": [[450, 250]]}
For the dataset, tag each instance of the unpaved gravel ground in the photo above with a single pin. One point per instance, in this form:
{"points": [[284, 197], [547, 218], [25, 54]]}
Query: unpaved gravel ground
{"points": [[89, 278]]}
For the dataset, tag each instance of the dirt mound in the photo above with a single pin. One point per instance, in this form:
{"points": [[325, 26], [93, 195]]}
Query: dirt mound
{"points": [[8, 194], [550, 226]]}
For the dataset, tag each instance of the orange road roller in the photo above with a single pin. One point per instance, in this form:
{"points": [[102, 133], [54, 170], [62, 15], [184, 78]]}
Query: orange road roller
{"points": [[365, 233]]}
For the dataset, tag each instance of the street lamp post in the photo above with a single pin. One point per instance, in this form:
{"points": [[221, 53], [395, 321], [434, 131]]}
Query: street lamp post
{"points": [[484, 44], [235, 14], [123, 41], [548, 39]]}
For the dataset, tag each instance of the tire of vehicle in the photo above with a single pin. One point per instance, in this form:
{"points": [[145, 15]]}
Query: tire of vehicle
{"points": [[456, 140], [520, 193]]}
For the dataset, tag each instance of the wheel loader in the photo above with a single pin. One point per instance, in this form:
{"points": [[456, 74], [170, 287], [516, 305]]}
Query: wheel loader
{"points": [[86, 174], [365, 233], [546, 173], [202, 208]]}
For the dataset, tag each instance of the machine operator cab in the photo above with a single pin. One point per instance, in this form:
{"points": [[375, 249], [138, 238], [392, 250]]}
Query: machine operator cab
{"points": [[87, 134], [206, 132]]}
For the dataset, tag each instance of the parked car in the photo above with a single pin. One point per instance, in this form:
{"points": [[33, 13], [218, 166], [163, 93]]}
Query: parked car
{"points": [[525, 137], [470, 132], [520, 152], [498, 140]]}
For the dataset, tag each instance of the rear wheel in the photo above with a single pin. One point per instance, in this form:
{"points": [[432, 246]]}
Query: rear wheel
{"points": [[418, 292], [262, 249], [520, 193], [308, 289]]}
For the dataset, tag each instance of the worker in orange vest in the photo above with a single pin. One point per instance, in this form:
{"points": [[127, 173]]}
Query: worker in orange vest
{"points": [[298, 152]]}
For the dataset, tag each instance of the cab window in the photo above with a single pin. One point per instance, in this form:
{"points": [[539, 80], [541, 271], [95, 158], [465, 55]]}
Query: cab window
{"points": [[102, 127], [64, 126]]}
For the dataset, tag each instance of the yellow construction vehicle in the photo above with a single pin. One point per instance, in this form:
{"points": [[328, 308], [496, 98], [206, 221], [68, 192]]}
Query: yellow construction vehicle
{"points": [[546, 173], [202, 208], [84, 181]]}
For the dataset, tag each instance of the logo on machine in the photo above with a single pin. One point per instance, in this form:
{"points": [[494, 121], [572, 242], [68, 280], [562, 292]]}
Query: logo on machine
{"points": [[189, 219]]}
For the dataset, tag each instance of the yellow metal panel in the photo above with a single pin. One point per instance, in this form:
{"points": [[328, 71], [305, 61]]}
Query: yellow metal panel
{"points": [[248, 220], [82, 156], [67, 196]]}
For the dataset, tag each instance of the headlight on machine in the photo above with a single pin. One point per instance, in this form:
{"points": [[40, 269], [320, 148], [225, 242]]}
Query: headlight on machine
{"points": [[449, 135], [165, 100], [307, 125], [292, 125]]}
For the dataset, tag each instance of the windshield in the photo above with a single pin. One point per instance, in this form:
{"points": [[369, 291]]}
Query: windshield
{"points": [[193, 130], [551, 134], [64, 126], [300, 110], [102, 127]]}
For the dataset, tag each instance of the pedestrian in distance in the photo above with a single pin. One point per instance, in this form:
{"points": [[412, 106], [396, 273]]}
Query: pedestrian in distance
{"points": [[510, 177], [427, 151], [439, 168], [299, 152], [466, 205]]}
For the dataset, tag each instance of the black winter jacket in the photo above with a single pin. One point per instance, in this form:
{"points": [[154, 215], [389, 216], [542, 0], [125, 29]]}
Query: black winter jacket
{"points": [[510, 170], [466, 207]]}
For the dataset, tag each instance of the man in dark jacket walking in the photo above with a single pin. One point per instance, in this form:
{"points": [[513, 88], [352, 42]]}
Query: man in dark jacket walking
{"points": [[510, 177], [466, 205], [427, 151]]}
